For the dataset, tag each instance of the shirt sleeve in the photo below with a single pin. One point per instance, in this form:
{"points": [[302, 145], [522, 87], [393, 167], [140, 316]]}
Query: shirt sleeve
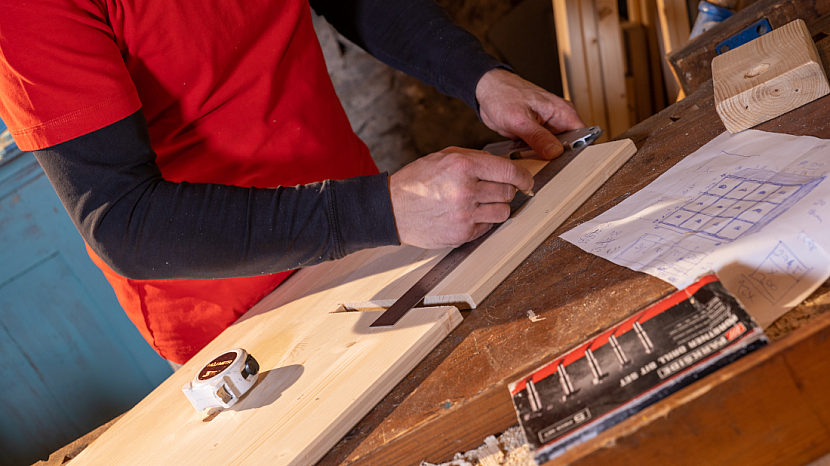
{"points": [[61, 72], [144, 227], [414, 36]]}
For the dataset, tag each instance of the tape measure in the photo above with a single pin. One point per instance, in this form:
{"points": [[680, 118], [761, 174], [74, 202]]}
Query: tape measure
{"points": [[223, 381]]}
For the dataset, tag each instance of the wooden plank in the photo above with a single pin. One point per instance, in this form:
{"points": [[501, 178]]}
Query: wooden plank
{"points": [[673, 25], [768, 77], [636, 41], [693, 63], [610, 41], [313, 388], [472, 281], [568, 26], [593, 65], [579, 60], [648, 18], [769, 408]]}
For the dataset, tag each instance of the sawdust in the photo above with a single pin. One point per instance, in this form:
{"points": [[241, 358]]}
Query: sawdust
{"points": [[510, 449]]}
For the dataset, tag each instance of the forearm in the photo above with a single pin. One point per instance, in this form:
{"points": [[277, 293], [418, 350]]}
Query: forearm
{"points": [[416, 37], [147, 228]]}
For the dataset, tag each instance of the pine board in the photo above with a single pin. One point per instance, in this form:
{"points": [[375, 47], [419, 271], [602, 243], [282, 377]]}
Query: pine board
{"points": [[493, 261], [572, 60], [610, 39], [313, 388], [321, 371]]}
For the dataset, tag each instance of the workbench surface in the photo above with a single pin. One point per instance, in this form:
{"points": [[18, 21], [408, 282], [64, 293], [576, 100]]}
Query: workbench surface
{"points": [[458, 395]]}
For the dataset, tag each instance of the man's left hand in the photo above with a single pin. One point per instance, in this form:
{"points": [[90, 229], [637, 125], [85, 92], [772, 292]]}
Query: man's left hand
{"points": [[518, 109]]}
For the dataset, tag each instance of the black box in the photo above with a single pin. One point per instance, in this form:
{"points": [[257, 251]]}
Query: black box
{"points": [[638, 362]]}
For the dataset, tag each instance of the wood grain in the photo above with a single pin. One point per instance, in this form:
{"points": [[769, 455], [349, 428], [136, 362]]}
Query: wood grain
{"points": [[321, 371], [610, 40], [768, 77], [592, 62], [636, 41], [310, 393], [472, 281], [673, 25], [693, 62], [573, 62]]}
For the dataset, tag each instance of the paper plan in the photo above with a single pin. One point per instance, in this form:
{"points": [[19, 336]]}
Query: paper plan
{"points": [[750, 206]]}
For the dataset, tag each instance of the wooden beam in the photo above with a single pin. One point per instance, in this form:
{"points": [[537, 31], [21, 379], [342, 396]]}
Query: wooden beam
{"points": [[648, 18], [579, 58], [612, 54], [636, 41], [593, 64], [673, 25], [693, 63], [568, 25], [768, 77]]}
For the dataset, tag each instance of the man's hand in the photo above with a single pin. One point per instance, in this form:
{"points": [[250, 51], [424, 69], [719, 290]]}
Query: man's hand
{"points": [[516, 108], [453, 196]]}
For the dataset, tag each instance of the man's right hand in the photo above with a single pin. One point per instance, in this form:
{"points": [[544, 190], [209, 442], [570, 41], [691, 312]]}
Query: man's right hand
{"points": [[453, 196]]}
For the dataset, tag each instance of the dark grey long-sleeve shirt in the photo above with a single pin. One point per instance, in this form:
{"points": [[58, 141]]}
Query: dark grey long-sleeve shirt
{"points": [[293, 226]]}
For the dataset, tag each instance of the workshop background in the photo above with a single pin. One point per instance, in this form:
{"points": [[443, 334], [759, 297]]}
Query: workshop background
{"points": [[71, 360]]}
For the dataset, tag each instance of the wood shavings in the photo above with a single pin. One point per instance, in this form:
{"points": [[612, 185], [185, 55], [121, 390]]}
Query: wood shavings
{"points": [[510, 449]]}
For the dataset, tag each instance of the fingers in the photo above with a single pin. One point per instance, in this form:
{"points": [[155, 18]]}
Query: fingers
{"points": [[516, 108], [499, 170], [492, 213], [453, 196], [488, 192], [542, 141]]}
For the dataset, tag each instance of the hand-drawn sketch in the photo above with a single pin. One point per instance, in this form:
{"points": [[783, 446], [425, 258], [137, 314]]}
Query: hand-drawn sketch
{"points": [[743, 205], [657, 256], [780, 271]]}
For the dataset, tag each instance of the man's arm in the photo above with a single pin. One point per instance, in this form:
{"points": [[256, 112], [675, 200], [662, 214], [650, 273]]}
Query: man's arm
{"points": [[420, 39], [414, 36], [147, 228]]}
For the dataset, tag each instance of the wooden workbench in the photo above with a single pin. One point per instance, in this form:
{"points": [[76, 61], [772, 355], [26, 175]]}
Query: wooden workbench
{"points": [[772, 407]]}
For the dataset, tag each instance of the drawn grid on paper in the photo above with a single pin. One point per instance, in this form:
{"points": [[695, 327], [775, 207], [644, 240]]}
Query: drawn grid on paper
{"points": [[740, 204]]}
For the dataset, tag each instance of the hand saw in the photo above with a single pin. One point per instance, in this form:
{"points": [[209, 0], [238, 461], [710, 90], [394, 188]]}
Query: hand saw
{"points": [[573, 141]]}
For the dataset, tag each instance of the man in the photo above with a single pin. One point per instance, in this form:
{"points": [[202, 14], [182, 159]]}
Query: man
{"points": [[174, 130]]}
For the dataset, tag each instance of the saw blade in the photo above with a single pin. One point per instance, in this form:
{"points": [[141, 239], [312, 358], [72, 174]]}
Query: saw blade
{"points": [[574, 142]]}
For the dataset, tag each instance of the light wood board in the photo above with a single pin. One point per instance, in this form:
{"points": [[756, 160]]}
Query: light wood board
{"points": [[313, 388], [572, 60], [775, 73], [492, 262], [592, 62], [612, 53], [673, 25]]}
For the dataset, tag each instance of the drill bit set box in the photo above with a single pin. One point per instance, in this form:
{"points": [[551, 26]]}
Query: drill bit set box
{"points": [[643, 359]]}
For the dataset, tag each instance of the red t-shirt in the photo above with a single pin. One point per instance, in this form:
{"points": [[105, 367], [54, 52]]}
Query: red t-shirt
{"points": [[234, 92]]}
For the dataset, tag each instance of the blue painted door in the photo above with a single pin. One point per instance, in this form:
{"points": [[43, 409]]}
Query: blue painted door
{"points": [[70, 359]]}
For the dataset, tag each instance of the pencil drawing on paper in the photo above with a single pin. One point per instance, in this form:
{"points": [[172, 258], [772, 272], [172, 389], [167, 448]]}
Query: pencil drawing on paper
{"points": [[777, 274], [740, 204], [657, 254]]}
